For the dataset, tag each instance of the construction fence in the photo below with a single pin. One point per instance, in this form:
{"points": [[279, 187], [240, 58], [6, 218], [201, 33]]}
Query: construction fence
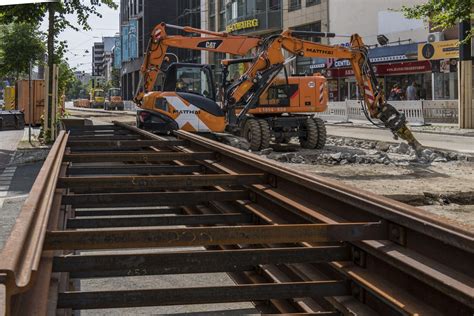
{"points": [[417, 112]]}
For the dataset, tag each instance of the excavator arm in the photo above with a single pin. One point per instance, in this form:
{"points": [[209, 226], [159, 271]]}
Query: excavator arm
{"points": [[271, 60], [220, 42]]}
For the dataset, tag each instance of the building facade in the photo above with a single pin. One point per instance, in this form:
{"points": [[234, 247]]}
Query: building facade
{"points": [[396, 60], [263, 18], [251, 17], [102, 57], [137, 20]]}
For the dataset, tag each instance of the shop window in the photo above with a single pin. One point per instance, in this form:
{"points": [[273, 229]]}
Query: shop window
{"points": [[445, 86], [294, 5], [312, 2], [422, 83]]}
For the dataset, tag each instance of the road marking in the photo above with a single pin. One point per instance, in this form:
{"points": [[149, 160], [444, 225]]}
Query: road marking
{"points": [[5, 181]]}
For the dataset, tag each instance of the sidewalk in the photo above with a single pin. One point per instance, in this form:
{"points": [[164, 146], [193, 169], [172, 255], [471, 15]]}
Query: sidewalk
{"points": [[460, 141], [439, 128], [19, 165]]}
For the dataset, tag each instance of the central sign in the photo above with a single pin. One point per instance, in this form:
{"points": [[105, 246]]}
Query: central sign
{"points": [[247, 24]]}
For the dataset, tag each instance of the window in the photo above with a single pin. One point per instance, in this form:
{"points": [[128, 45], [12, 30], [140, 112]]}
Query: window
{"points": [[221, 9], [313, 27], [212, 15], [294, 5], [114, 92], [240, 8], [312, 2], [194, 80], [212, 23], [303, 64], [233, 10], [274, 5]]}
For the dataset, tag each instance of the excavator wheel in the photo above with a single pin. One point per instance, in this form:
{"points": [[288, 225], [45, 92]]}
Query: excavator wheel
{"points": [[266, 133], [321, 133], [253, 134], [310, 140]]}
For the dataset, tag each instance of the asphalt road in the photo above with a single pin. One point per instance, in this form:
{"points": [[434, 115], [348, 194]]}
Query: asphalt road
{"points": [[463, 144]]}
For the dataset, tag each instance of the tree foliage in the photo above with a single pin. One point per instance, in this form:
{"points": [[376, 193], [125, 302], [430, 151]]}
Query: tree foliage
{"points": [[442, 14], [65, 77], [76, 90], [66, 14], [115, 78], [20, 43]]}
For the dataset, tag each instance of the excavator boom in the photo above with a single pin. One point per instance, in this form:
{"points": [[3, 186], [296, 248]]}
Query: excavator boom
{"points": [[219, 42]]}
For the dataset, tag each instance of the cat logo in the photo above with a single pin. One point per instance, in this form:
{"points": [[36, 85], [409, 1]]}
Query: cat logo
{"points": [[213, 44]]}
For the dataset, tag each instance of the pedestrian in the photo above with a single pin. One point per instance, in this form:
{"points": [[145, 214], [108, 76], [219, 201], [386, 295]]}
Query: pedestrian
{"points": [[412, 91], [423, 92], [395, 93]]}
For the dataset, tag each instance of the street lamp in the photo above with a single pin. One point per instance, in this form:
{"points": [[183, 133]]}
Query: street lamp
{"points": [[382, 39]]}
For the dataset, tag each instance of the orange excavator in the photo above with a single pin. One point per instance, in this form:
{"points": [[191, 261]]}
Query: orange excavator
{"points": [[245, 93], [185, 96]]}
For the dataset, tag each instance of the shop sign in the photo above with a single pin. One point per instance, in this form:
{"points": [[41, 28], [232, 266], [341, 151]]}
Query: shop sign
{"points": [[403, 68], [346, 63], [247, 24], [389, 69], [438, 50]]}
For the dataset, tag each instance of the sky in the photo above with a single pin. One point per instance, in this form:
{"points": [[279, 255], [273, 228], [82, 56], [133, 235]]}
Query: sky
{"points": [[80, 41]]}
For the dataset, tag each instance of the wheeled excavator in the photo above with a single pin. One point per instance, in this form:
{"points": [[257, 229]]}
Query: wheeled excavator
{"points": [[245, 93], [184, 97], [195, 110]]}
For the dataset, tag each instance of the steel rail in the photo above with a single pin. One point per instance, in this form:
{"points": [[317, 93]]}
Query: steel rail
{"points": [[21, 254], [299, 244], [440, 276]]}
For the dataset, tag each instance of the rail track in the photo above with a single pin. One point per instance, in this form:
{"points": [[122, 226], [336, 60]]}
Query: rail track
{"points": [[292, 243]]}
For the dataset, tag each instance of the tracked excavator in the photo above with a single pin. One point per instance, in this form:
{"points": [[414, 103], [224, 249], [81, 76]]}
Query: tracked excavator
{"points": [[242, 114], [175, 95]]}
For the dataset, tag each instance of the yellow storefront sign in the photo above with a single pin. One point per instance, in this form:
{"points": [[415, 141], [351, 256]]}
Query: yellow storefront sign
{"points": [[438, 50], [247, 24]]}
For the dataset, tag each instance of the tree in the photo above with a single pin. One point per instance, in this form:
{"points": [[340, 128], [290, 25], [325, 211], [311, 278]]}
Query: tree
{"points": [[59, 18], [65, 78], [115, 78], [74, 89], [442, 14], [20, 43]]}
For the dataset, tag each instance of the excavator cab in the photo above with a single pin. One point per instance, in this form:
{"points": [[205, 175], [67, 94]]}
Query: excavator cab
{"points": [[190, 78], [183, 98]]}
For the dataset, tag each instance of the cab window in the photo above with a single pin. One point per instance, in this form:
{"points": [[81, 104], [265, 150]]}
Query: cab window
{"points": [[114, 93], [194, 80]]}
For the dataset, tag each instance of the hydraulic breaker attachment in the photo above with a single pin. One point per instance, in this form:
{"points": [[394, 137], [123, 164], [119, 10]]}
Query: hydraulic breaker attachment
{"points": [[396, 122]]}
